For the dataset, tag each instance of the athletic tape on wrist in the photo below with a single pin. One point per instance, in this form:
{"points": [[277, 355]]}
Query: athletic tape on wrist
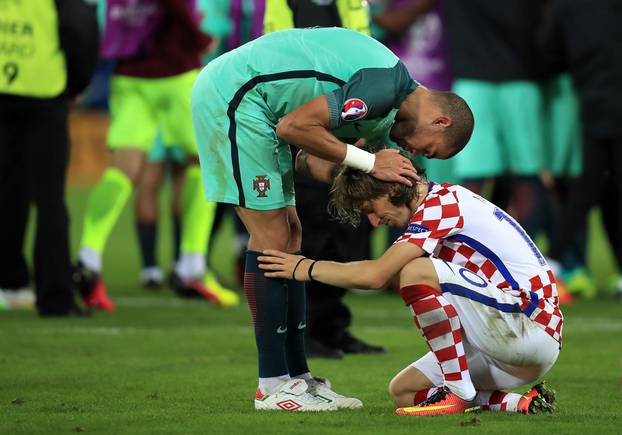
{"points": [[359, 159]]}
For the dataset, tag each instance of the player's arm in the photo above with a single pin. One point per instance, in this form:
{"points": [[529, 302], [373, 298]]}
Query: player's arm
{"points": [[369, 274], [315, 167], [309, 128]]}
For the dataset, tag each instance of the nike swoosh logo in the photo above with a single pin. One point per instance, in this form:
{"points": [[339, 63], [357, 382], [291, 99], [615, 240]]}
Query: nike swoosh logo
{"points": [[302, 325], [281, 330]]}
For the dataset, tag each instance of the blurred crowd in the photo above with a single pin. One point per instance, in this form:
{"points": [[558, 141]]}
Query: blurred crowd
{"points": [[543, 78]]}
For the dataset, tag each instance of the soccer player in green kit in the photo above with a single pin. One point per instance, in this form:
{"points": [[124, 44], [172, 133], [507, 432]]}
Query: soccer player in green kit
{"points": [[306, 87]]}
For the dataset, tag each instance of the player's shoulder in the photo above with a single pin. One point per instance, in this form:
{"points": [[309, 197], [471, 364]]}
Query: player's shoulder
{"points": [[442, 200]]}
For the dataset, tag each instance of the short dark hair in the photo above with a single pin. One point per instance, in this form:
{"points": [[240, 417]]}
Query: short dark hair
{"points": [[462, 121], [352, 188]]}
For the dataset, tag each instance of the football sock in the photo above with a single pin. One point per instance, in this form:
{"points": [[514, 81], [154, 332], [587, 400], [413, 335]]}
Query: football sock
{"points": [[439, 322], [103, 208], [176, 236], [497, 401], [267, 299], [91, 259], [272, 385], [190, 266], [147, 234], [423, 395], [197, 214], [296, 325]]}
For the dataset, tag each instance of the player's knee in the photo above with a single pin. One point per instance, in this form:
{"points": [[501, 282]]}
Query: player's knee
{"points": [[399, 391], [419, 271]]}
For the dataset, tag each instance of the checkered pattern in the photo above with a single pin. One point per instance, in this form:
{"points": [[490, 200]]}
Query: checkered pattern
{"points": [[439, 322], [450, 210], [498, 401]]}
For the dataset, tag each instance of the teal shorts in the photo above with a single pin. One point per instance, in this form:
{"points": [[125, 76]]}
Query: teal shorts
{"points": [[508, 135], [161, 153], [243, 162], [563, 128]]}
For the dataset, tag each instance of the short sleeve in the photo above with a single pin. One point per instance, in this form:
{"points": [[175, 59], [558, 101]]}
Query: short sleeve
{"points": [[370, 93]]}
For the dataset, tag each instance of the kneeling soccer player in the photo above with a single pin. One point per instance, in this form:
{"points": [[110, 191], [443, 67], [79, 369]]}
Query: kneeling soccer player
{"points": [[478, 288]]}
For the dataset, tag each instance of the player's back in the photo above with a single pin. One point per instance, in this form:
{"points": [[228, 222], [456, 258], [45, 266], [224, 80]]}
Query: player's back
{"points": [[291, 67], [495, 235]]}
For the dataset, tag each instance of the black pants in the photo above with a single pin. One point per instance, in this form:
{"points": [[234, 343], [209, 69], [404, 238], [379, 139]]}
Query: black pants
{"points": [[325, 239], [600, 184], [34, 152]]}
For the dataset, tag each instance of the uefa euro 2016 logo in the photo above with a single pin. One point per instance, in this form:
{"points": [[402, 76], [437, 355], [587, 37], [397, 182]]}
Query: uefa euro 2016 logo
{"points": [[261, 185], [353, 109]]}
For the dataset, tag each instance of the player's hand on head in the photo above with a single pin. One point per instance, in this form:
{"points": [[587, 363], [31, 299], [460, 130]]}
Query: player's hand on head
{"points": [[278, 264], [391, 165]]}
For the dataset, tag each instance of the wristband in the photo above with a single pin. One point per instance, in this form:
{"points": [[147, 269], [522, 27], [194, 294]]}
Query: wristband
{"points": [[296, 267], [310, 270], [359, 159]]}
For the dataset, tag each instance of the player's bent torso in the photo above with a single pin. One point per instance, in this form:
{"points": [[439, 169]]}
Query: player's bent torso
{"points": [[283, 70]]}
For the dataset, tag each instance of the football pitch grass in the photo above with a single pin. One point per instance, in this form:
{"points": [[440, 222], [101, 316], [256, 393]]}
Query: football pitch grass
{"points": [[165, 365]]}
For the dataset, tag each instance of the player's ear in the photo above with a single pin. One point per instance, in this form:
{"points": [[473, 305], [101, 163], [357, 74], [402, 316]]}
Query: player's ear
{"points": [[442, 121]]}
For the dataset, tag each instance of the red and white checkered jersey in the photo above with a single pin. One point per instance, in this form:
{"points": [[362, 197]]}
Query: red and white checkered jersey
{"points": [[456, 225]]}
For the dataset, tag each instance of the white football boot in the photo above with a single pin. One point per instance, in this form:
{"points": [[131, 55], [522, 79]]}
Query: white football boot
{"points": [[321, 388], [293, 396]]}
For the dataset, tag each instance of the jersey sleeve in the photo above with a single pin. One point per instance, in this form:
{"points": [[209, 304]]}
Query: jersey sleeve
{"points": [[369, 94], [437, 218]]}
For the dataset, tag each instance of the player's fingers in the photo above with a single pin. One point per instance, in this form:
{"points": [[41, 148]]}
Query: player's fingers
{"points": [[403, 180], [266, 259], [271, 266], [408, 172], [275, 275]]}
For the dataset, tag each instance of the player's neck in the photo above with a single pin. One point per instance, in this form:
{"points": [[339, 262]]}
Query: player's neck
{"points": [[422, 192]]}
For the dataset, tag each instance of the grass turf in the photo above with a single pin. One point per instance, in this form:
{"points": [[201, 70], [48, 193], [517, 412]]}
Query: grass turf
{"points": [[163, 365]]}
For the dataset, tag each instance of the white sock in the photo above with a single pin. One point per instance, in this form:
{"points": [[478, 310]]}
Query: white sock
{"points": [[152, 272], [272, 385], [305, 376], [190, 266], [91, 259]]}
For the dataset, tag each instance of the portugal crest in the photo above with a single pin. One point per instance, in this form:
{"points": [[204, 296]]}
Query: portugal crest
{"points": [[261, 185]]}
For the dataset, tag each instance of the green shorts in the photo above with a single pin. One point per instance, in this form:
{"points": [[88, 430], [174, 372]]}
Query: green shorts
{"points": [[139, 108], [161, 153], [508, 135], [243, 162], [563, 128]]}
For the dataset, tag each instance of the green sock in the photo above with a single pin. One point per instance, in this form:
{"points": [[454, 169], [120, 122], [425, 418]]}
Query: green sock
{"points": [[103, 208], [197, 215]]}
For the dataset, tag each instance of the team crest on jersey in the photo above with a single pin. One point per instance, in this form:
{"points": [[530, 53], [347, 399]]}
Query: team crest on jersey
{"points": [[416, 228], [261, 184], [353, 109]]}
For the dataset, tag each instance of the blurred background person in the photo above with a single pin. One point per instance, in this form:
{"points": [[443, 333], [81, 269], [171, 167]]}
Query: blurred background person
{"points": [[495, 66], [55, 52], [562, 162], [327, 332], [162, 162], [585, 38], [157, 46]]}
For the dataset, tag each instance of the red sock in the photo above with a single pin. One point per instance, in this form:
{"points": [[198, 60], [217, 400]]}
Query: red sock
{"points": [[439, 322]]}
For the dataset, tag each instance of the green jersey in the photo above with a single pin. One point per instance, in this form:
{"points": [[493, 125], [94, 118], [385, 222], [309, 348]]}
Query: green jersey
{"points": [[363, 80], [239, 98]]}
